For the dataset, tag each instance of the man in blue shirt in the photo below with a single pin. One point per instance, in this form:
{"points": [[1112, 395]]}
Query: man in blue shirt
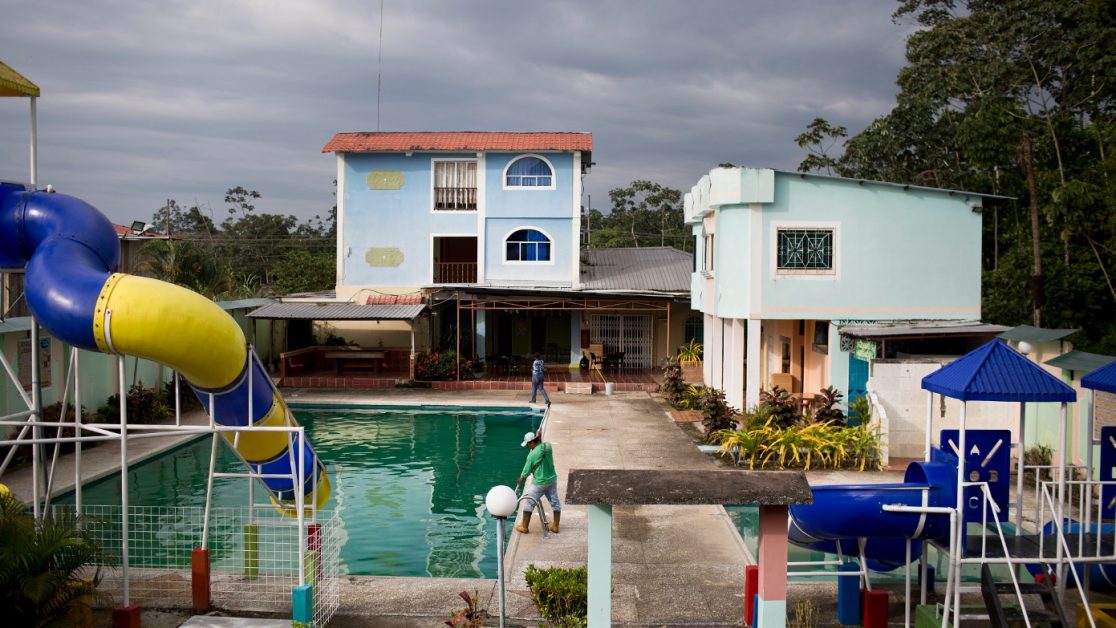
{"points": [[537, 382]]}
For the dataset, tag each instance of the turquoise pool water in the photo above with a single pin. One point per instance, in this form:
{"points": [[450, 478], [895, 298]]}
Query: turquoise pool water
{"points": [[409, 483]]}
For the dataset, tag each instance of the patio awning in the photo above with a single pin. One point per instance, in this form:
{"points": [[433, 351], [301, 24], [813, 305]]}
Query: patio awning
{"points": [[338, 312], [13, 83], [1103, 379], [996, 372], [1028, 333], [1081, 361], [921, 329]]}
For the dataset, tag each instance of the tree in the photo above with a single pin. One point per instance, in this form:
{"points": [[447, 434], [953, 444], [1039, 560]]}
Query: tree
{"points": [[643, 214], [820, 137], [1015, 98]]}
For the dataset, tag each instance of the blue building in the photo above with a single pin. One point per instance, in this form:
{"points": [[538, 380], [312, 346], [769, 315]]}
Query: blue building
{"points": [[485, 228], [786, 261]]}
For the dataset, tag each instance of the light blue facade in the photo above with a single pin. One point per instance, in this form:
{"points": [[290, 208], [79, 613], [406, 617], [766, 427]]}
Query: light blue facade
{"points": [[388, 234], [888, 253], [899, 252]]}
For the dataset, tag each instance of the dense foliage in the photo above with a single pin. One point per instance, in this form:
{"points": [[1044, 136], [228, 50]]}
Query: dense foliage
{"points": [[44, 567], [641, 215], [249, 254], [1013, 98]]}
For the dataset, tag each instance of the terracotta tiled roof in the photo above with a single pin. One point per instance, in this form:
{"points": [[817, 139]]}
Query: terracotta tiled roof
{"points": [[390, 142], [394, 299]]}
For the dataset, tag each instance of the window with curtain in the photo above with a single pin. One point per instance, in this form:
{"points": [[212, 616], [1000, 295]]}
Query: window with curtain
{"points": [[455, 185], [527, 245], [529, 172]]}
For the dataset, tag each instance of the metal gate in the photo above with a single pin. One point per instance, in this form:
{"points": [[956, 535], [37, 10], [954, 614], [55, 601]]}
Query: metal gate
{"points": [[627, 333]]}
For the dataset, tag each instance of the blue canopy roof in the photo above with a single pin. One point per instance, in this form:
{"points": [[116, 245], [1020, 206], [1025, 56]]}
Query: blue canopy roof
{"points": [[1103, 378], [996, 372]]}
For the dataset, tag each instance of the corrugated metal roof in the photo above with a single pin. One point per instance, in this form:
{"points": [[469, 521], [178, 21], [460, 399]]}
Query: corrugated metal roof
{"points": [[13, 83], [244, 303], [1027, 333], [659, 268], [1103, 379], [996, 372], [337, 311], [921, 329], [1082, 361], [394, 142]]}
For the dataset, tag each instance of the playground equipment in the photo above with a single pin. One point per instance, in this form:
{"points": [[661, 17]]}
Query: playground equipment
{"points": [[958, 499], [70, 253]]}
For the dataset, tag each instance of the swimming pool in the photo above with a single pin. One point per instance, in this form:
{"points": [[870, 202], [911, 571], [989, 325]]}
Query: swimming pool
{"points": [[409, 487]]}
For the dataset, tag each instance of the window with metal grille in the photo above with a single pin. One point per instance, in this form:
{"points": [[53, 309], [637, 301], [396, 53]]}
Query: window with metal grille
{"points": [[805, 249], [694, 329], [529, 172], [455, 185], [527, 245]]}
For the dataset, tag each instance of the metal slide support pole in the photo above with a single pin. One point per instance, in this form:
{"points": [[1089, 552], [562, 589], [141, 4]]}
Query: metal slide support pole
{"points": [[248, 422], [1090, 419], [300, 502], [58, 433], [37, 414], [209, 481], [34, 143], [177, 399], [123, 478], [77, 429]]}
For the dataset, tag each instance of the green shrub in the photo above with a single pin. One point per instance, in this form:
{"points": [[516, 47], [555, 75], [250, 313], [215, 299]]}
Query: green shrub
{"points": [[437, 366], [718, 415], [561, 594], [145, 406], [43, 566], [672, 388], [782, 407]]}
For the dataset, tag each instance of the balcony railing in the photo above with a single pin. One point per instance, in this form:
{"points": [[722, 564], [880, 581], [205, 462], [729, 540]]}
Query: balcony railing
{"points": [[455, 272], [455, 199]]}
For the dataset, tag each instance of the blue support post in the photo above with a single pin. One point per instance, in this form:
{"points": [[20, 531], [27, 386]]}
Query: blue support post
{"points": [[600, 566], [848, 596], [302, 605]]}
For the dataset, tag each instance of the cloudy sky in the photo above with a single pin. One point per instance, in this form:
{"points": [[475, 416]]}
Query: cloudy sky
{"points": [[144, 101]]}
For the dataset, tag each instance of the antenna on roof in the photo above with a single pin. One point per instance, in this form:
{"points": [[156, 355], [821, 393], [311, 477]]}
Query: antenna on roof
{"points": [[380, 65]]}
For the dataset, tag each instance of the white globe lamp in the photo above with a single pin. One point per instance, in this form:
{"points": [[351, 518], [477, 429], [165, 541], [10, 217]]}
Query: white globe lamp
{"points": [[1025, 347], [500, 501]]}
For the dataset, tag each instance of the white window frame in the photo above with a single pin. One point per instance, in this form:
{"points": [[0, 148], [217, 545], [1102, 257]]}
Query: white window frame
{"points": [[433, 179], [830, 274], [553, 175], [516, 262]]}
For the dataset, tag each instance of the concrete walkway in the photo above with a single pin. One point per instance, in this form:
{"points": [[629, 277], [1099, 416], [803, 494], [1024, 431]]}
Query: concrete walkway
{"points": [[671, 564]]}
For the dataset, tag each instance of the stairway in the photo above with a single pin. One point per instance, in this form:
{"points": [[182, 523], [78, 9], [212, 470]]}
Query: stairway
{"points": [[1051, 614]]}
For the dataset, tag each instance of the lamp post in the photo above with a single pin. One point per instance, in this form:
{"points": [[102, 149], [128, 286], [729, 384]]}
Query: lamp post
{"points": [[501, 503]]}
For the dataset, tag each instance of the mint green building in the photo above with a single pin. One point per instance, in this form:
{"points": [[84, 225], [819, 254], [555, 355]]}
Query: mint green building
{"points": [[784, 259]]}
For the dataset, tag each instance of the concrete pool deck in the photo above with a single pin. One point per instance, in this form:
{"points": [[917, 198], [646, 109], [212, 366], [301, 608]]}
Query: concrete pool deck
{"points": [[672, 565]]}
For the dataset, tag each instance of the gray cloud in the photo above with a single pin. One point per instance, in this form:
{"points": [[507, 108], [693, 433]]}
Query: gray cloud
{"points": [[147, 101]]}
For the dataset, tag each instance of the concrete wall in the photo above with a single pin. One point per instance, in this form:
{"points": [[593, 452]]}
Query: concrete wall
{"points": [[898, 385]]}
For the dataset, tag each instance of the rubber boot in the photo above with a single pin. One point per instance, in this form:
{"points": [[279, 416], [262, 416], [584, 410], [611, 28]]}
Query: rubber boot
{"points": [[554, 524], [523, 528]]}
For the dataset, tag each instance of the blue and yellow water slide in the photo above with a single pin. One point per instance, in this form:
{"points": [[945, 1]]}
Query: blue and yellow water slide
{"points": [[71, 254]]}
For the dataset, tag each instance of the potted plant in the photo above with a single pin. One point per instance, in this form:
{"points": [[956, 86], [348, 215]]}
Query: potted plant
{"points": [[689, 358]]}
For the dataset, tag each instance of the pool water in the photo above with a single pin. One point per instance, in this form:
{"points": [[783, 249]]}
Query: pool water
{"points": [[409, 483]]}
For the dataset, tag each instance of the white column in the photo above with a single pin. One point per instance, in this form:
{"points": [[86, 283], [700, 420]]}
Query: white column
{"points": [[713, 353], [734, 356], [752, 379]]}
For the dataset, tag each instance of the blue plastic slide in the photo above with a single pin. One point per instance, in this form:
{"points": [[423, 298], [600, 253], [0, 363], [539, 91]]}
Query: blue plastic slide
{"points": [[71, 255], [842, 515]]}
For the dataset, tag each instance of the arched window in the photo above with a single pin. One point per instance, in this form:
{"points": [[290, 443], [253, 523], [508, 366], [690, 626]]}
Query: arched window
{"points": [[527, 245], [529, 172]]}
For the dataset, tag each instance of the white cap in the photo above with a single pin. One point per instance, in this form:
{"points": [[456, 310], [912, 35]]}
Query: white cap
{"points": [[528, 437]]}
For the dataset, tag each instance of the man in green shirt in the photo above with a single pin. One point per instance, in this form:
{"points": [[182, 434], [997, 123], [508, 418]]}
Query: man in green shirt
{"points": [[539, 465]]}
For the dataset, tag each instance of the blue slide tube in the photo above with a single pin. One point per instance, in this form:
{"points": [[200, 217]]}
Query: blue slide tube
{"points": [[71, 254], [843, 514]]}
